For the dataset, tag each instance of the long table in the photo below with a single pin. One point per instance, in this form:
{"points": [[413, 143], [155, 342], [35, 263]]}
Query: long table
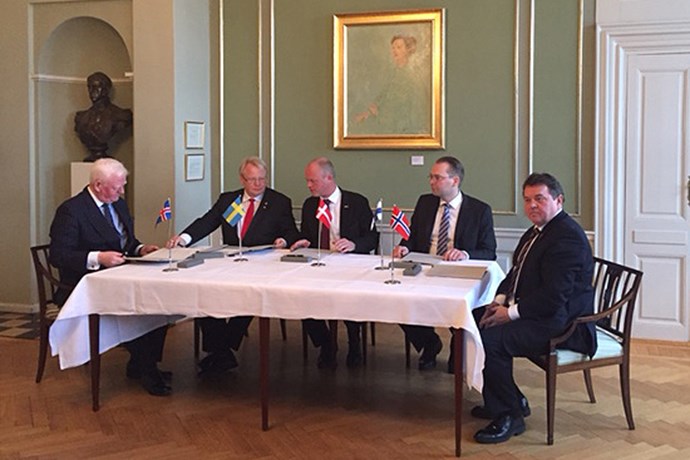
{"points": [[113, 306]]}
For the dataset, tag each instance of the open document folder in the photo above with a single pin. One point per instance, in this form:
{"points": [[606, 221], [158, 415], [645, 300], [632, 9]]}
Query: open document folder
{"points": [[457, 270]]}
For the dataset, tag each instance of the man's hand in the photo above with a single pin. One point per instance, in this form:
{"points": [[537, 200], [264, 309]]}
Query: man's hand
{"points": [[494, 315], [303, 243], [454, 255], [147, 249], [110, 258], [400, 251], [344, 245], [279, 243], [174, 242]]}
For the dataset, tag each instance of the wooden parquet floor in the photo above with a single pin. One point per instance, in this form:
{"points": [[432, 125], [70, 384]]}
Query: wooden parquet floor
{"points": [[379, 412]]}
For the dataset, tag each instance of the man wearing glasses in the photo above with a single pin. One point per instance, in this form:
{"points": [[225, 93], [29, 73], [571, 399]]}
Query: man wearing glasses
{"points": [[267, 220], [451, 225]]}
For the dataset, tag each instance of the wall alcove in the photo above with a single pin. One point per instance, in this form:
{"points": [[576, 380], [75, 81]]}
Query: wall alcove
{"points": [[73, 50]]}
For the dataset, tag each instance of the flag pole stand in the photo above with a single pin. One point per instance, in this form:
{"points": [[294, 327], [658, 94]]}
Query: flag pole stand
{"points": [[170, 267], [383, 265], [392, 279], [318, 262], [240, 257], [377, 218]]}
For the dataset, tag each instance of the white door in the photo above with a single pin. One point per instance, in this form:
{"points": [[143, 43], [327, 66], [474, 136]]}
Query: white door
{"points": [[657, 217]]}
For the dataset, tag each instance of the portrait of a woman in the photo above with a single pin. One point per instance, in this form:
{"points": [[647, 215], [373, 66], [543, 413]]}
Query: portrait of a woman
{"points": [[399, 95]]}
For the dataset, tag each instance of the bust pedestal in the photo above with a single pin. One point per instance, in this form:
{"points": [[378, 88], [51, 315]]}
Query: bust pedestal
{"points": [[79, 176]]}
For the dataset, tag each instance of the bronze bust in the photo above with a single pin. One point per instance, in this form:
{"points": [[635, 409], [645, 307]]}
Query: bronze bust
{"points": [[97, 125]]}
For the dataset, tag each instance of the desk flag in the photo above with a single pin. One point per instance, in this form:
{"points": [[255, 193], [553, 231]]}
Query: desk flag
{"points": [[323, 213], [399, 222], [234, 213], [165, 214], [378, 214]]}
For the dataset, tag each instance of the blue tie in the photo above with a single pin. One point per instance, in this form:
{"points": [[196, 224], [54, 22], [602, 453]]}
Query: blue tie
{"points": [[107, 213]]}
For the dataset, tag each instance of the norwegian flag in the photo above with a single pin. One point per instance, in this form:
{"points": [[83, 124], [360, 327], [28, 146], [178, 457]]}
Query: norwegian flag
{"points": [[324, 214], [399, 222], [165, 212]]}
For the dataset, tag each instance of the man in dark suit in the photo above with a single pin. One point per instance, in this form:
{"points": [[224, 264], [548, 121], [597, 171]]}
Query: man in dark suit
{"points": [[267, 220], [94, 230], [351, 230], [452, 225], [548, 286]]}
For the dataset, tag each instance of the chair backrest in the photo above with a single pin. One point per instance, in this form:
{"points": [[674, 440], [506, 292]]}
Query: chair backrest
{"points": [[615, 293], [47, 278]]}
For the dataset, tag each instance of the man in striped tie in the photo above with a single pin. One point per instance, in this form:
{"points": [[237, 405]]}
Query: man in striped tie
{"points": [[452, 225], [548, 286]]}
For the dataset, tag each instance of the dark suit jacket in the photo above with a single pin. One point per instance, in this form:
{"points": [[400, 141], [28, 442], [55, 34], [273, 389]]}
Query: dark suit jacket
{"points": [[555, 284], [273, 219], [355, 222], [474, 231], [78, 228]]}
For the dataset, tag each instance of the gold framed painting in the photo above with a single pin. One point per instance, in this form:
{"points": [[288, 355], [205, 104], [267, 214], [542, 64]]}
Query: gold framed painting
{"points": [[388, 80]]}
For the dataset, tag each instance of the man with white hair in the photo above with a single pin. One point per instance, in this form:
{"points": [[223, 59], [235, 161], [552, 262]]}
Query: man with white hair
{"points": [[93, 230]]}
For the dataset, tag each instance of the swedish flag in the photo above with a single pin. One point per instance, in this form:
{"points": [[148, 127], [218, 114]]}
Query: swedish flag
{"points": [[234, 213]]}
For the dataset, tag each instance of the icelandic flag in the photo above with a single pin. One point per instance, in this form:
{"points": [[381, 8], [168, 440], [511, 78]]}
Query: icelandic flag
{"points": [[324, 214], [378, 214], [399, 222], [165, 213], [234, 212]]}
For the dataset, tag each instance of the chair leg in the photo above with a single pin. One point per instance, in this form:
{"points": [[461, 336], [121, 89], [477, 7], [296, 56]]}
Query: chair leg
{"points": [[197, 336], [305, 344], [283, 330], [364, 343], [407, 353], [373, 333], [550, 399], [625, 392], [42, 348], [588, 383]]}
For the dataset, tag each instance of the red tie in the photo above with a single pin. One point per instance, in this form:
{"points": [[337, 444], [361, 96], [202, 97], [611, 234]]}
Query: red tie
{"points": [[247, 218]]}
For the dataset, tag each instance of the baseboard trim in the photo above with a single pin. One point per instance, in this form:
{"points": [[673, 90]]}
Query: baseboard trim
{"points": [[18, 308]]}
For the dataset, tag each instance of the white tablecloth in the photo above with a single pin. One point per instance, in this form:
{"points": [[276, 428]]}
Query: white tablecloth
{"points": [[138, 297]]}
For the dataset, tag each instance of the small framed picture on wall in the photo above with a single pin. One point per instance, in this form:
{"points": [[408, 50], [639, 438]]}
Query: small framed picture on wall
{"points": [[194, 134], [194, 167]]}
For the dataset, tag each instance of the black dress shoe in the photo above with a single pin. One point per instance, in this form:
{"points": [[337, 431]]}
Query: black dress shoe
{"points": [[217, 363], [481, 412], [133, 372], [500, 430], [154, 384], [428, 358]]}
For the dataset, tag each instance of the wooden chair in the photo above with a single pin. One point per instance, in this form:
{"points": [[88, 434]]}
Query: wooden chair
{"points": [[616, 287], [47, 281]]}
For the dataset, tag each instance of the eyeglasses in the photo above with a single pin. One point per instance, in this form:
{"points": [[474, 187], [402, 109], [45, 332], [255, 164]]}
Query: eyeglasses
{"points": [[254, 180], [437, 177]]}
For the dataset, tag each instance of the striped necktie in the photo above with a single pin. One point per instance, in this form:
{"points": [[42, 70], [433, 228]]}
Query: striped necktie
{"points": [[442, 245], [519, 261]]}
